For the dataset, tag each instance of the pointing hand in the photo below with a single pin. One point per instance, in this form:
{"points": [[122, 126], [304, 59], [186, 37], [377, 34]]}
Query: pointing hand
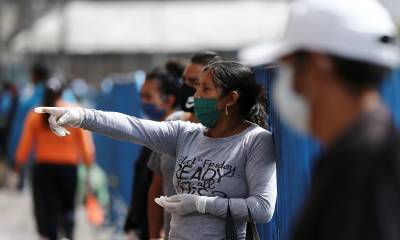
{"points": [[61, 117]]}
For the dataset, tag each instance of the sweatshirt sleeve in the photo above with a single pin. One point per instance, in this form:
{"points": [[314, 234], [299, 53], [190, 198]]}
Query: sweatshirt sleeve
{"points": [[158, 136], [261, 180]]}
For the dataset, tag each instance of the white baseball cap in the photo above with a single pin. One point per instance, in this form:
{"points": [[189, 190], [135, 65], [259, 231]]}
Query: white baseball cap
{"points": [[354, 29]]}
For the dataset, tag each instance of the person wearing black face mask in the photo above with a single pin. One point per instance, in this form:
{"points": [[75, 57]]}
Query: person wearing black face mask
{"points": [[163, 165], [158, 100], [191, 79], [186, 98]]}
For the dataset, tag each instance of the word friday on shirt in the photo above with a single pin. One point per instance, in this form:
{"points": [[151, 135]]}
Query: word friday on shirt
{"points": [[200, 176]]}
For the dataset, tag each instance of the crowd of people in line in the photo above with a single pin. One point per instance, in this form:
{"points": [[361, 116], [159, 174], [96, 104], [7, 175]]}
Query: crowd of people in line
{"points": [[207, 169]]}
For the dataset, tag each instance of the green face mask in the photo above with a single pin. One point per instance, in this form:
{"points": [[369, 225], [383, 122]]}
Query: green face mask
{"points": [[206, 111]]}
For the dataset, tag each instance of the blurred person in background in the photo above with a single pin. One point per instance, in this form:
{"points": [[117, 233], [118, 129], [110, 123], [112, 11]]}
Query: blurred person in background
{"points": [[163, 165], [159, 98], [8, 104], [39, 74], [228, 159], [334, 57], [54, 177]]}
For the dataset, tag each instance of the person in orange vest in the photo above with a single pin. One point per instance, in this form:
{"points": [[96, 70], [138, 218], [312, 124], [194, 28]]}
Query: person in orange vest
{"points": [[54, 176]]}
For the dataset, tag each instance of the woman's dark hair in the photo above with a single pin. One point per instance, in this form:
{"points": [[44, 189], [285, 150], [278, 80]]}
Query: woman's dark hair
{"points": [[52, 92], [205, 58], [357, 75], [233, 76], [168, 77]]}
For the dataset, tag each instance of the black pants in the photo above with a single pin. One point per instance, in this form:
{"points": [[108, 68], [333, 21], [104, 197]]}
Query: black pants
{"points": [[54, 191]]}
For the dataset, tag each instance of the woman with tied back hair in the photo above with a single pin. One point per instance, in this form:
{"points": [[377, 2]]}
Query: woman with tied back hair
{"points": [[159, 98], [54, 173], [228, 157]]}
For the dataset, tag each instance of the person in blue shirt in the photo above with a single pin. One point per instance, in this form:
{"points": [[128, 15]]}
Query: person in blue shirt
{"points": [[38, 74], [8, 103]]}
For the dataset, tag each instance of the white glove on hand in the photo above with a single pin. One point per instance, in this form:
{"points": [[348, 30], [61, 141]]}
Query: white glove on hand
{"points": [[61, 116], [183, 204]]}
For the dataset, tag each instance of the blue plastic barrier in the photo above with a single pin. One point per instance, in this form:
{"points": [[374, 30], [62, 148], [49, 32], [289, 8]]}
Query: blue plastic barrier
{"points": [[295, 155], [116, 157]]}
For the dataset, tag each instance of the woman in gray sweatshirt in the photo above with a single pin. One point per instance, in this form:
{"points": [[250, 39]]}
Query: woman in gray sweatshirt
{"points": [[228, 157]]}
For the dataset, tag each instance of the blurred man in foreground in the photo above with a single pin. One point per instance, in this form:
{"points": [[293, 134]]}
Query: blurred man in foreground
{"points": [[334, 57]]}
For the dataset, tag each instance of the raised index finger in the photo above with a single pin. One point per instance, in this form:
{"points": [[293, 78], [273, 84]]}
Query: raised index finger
{"points": [[51, 110]]}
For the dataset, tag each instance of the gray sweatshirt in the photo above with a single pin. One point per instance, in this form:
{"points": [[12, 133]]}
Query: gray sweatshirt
{"points": [[240, 168]]}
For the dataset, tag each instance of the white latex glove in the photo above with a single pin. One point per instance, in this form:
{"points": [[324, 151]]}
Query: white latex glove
{"points": [[61, 117], [183, 204]]}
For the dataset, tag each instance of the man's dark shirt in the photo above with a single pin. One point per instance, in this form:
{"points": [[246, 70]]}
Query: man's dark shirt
{"points": [[355, 190]]}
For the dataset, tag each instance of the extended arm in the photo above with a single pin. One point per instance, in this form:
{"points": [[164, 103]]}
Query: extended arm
{"points": [[159, 136]]}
